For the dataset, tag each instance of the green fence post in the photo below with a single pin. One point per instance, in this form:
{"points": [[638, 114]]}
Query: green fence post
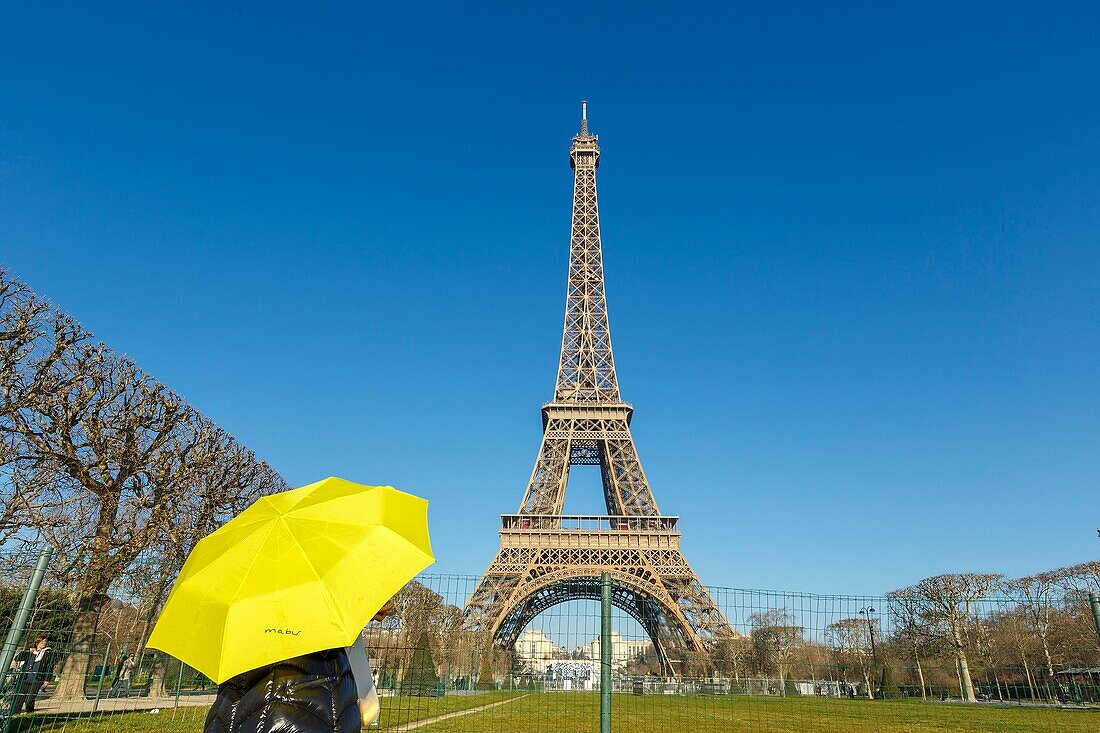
{"points": [[19, 623], [1094, 601], [605, 653], [179, 685], [102, 674]]}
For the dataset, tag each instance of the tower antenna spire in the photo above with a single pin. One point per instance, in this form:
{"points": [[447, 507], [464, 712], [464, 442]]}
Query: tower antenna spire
{"points": [[584, 117]]}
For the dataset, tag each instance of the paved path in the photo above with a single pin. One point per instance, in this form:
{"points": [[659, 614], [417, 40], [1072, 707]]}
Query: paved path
{"points": [[457, 714], [116, 704], [137, 704]]}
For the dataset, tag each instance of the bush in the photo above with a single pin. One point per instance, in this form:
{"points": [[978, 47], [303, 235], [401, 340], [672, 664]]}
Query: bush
{"points": [[485, 672], [53, 616], [421, 679]]}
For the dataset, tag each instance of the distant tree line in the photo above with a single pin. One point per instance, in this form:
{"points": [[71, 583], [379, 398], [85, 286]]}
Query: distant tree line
{"points": [[963, 634], [1024, 629], [106, 464], [967, 635]]}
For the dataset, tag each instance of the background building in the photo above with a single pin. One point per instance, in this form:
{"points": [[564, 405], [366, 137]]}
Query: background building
{"points": [[536, 650], [623, 651]]}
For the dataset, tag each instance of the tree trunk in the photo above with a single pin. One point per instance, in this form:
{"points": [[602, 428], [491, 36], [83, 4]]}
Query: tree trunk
{"points": [[920, 675], [156, 677], [90, 595], [74, 670], [1046, 654], [867, 682], [966, 685], [1027, 675], [150, 614], [1052, 681]]}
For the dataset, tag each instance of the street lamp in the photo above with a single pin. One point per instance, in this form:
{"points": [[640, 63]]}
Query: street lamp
{"points": [[868, 611]]}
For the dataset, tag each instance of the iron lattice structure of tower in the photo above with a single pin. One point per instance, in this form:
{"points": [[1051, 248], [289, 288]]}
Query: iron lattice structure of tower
{"points": [[545, 557]]}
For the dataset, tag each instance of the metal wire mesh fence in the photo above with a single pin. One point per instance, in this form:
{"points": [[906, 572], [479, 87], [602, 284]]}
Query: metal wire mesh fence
{"points": [[790, 662]]}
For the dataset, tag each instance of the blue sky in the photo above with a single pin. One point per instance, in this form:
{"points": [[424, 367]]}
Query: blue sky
{"points": [[852, 255]]}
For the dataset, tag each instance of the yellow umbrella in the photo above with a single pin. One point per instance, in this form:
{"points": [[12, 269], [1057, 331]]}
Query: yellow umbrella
{"points": [[296, 572]]}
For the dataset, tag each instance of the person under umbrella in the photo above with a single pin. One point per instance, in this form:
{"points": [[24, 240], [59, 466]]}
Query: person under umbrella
{"points": [[272, 605], [305, 694]]}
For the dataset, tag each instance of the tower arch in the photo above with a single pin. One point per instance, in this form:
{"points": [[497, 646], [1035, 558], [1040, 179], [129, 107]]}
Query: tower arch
{"points": [[667, 630]]}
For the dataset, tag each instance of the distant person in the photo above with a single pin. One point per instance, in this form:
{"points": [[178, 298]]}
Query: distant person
{"points": [[117, 674], [330, 691], [123, 672], [118, 669], [36, 673]]}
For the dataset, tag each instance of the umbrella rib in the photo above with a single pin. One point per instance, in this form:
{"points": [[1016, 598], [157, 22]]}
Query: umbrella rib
{"points": [[337, 612], [232, 600], [251, 564]]}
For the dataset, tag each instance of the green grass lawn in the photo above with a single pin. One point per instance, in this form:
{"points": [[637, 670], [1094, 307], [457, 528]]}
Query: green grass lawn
{"points": [[577, 712]]}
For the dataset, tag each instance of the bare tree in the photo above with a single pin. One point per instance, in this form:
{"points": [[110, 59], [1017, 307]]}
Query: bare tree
{"points": [[1078, 581], [1083, 578], [452, 642], [1037, 594], [775, 638], [850, 639], [987, 645], [104, 462], [120, 455], [23, 324], [729, 654], [419, 610], [1015, 625], [943, 603], [910, 630]]}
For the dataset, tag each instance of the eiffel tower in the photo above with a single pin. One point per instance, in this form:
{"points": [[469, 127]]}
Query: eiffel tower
{"points": [[547, 558]]}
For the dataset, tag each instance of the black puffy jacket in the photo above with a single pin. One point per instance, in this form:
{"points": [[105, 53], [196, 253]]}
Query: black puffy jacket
{"points": [[314, 693]]}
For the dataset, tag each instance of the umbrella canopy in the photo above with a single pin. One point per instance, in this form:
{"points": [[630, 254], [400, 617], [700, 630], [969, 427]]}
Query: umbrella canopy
{"points": [[296, 572]]}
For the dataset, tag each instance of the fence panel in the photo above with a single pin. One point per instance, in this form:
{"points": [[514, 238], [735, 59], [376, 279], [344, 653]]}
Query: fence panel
{"points": [[789, 662]]}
